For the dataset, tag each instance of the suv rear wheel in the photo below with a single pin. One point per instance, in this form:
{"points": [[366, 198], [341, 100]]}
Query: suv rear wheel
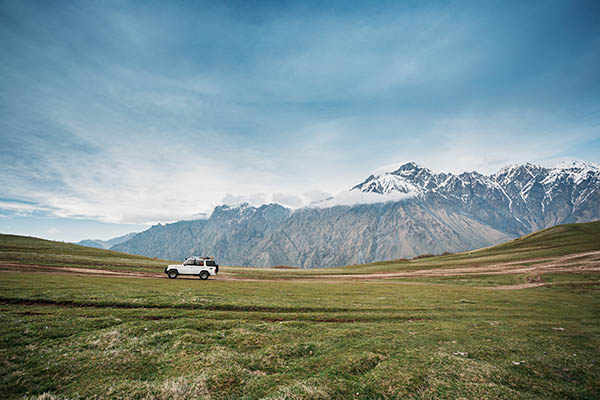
{"points": [[204, 275], [173, 274]]}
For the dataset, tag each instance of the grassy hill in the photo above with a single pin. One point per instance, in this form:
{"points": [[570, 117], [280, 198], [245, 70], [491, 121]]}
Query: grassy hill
{"points": [[555, 241], [29, 250]]}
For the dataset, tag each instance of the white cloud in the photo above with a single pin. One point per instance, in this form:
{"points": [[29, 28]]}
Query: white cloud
{"points": [[163, 180], [254, 199], [288, 200], [314, 196], [353, 197]]}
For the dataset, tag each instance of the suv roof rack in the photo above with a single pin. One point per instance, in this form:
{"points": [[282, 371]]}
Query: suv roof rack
{"points": [[201, 258]]}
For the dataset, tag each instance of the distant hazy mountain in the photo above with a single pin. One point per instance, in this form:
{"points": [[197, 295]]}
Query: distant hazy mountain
{"points": [[406, 212], [106, 244]]}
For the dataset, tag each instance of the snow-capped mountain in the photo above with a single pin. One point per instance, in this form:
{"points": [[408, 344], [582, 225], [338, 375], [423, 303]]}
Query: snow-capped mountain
{"points": [[404, 212], [536, 196], [413, 178]]}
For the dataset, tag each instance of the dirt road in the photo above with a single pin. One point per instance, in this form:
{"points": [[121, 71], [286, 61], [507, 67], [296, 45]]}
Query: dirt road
{"points": [[579, 262]]}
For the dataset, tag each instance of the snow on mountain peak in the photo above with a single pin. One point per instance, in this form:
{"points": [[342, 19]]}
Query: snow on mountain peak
{"points": [[386, 184], [513, 186], [507, 169], [576, 170], [411, 178], [406, 178]]}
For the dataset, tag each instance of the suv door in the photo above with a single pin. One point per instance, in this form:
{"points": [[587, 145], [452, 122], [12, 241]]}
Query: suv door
{"points": [[188, 267]]}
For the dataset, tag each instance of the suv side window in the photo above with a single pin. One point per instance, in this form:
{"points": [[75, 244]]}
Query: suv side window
{"points": [[210, 263], [200, 263]]}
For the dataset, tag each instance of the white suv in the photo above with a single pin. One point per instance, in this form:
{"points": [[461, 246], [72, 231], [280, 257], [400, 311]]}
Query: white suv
{"points": [[199, 266]]}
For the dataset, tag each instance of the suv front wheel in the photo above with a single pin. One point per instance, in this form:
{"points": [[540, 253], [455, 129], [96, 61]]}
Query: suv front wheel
{"points": [[173, 274], [204, 275]]}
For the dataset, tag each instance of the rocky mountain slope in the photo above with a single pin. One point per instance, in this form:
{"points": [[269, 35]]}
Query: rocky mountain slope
{"points": [[440, 212], [231, 234]]}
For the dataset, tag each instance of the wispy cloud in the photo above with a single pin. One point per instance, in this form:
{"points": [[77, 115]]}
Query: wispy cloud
{"points": [[23, 208]]}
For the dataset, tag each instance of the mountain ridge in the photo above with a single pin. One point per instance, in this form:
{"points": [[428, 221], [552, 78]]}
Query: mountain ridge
{"points": [[438, 212]]}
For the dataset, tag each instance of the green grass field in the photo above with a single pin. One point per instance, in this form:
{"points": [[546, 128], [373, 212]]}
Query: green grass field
{"points": [[65, 336]]}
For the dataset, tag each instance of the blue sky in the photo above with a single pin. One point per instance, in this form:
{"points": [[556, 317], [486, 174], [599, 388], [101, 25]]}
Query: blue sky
{"points": [[116, 115]]}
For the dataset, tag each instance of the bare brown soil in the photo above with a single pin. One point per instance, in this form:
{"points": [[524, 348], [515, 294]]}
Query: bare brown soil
{"points": [[579, 262]]}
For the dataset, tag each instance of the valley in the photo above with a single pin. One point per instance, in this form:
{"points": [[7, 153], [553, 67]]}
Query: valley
{"points": [[98, 323]]}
